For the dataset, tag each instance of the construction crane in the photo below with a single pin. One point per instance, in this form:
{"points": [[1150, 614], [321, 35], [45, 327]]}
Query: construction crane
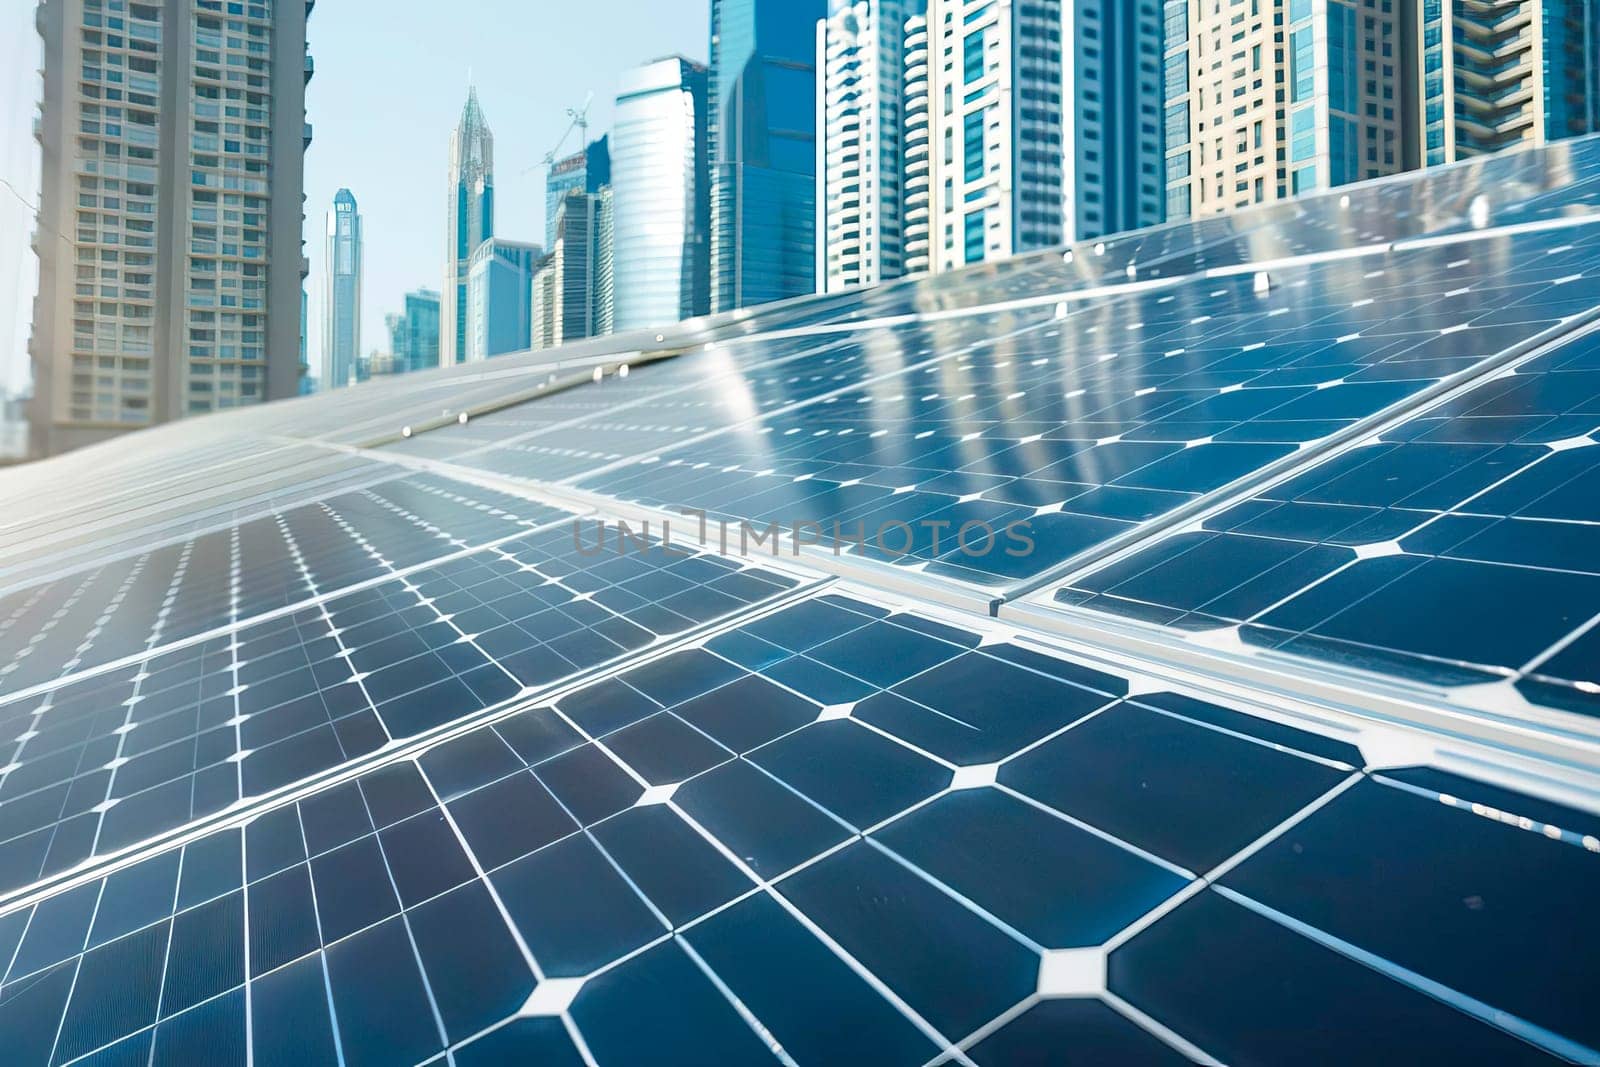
{"points": [[580, 122]]}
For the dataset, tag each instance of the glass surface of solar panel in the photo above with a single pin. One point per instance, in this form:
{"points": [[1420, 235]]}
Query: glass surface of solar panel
{"points": [[1457, 549], [1124, 412], [988, 846], [101, 764], [324, 740]]}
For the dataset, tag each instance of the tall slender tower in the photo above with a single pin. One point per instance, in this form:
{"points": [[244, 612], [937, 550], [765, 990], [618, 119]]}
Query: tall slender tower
{"points": [[170, 216], [341, 306], [471, 222]]}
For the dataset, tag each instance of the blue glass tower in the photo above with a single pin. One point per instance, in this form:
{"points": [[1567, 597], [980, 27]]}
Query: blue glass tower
{"points": [[763, 149], [587, 171], [470, 222]]}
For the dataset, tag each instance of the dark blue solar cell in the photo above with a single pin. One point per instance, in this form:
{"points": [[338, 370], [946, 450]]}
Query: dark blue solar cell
{"points": [[537, 734], [857, 774], [663, 749], [1251, 726], [1471, 791], [1247, 990], [206, 955], [462, 765], [31, 1013], [542, 1040], [822, 684], [424, 857], [353, 888], [295, 1000], [1189, 794], [1057, 884], [395, 792], [660, 1008], [759, 819], [333, 817], [573, 909], [882, 913], [808, 624], [379, 1000], [273, 842], [58, 930], [680, 872], [213, 1033], [816, 1007], [976, 709], [747, 713], [115, 993], [607, 705], [283, 920], [473, 966], [1069, 1033], [130, 1052], [1445, 893], [677, 678], [883, 653], [212, 866], [588, 784], [510, 818]]}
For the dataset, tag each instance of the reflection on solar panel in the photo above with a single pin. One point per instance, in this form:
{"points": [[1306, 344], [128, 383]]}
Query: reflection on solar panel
{"points": [[420, 724]]}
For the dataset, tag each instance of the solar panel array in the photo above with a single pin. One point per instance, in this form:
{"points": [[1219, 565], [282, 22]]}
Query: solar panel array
{"points": [[1176, 648]]}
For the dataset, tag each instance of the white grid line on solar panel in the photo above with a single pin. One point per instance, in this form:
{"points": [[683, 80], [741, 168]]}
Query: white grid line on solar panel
{"points": [[582, 833], [1152, 406], [327, 685], [320, 533], [1489, 491]]}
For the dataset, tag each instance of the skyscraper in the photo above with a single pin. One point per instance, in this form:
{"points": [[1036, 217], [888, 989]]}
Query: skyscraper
{"points": [[341, 303], [998, 129], [862, 151], [470, 221], [1495, 75], [659, 247], [500, 298], [170, 218], [421, 347], [564, 286], [605, 293], [1291, 97], [586, 170], [917, 222], [1113, 102], [762, 88]]}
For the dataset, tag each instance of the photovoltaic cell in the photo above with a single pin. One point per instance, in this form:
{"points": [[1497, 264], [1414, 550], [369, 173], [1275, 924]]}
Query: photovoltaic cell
{"points": [[325, 743], [102, 764], [1120, 414], [1456, 549], [546, 883]]}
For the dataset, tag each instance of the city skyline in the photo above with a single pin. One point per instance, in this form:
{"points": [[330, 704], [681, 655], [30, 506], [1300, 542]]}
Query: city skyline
{"points": [[383, 103]]}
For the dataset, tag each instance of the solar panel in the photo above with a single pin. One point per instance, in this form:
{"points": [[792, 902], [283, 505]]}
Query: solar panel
{"points": [[379, 727]]}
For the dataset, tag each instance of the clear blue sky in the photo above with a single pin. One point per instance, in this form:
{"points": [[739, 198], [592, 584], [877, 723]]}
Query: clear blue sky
{"points": [[390, 82]]}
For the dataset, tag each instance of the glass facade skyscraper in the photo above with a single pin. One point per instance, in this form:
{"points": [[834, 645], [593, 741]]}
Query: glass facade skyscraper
{"points": [[585, 170], [471, 221], [762, 87], [341, 304], [417, 344], [661, 214], [500, 298]]}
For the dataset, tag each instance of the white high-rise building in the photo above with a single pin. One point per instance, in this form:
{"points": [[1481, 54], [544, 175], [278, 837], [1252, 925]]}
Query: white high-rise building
{"points": [[661, 200], [916, 221], [470, 211], [341, 304], [861, 149], [1045, 123]]}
